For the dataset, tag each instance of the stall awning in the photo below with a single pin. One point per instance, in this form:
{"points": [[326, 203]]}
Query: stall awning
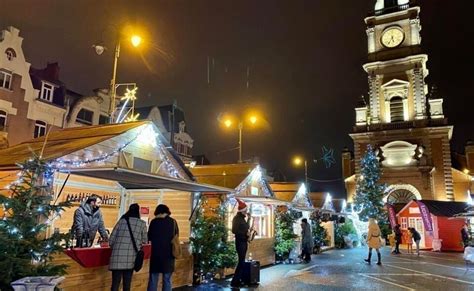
{"points": [[263, 200], [133, 180]]}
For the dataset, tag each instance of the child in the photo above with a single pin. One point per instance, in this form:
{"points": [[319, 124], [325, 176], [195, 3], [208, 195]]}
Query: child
{"points": [[391, 239], [409, 240]]}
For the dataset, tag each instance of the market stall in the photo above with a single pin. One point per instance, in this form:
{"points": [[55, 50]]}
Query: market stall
{"points": [[432, 219], [296, 195], [123, 164], [251, 186]]}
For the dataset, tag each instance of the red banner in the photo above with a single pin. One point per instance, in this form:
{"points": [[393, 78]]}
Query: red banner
{"points": [[392, 216], [426, 216]]}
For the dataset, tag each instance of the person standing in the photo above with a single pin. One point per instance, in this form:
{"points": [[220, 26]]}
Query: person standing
{"points": [[240, 228], [87, 221], [409, 241], [307, 242], [123, 255], [465, 235], [374, 240], [398, 238], [417, 238], [160, 234]]}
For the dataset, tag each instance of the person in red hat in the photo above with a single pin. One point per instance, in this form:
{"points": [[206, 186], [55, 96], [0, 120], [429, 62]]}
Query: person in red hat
{"points": [[240, 228]]}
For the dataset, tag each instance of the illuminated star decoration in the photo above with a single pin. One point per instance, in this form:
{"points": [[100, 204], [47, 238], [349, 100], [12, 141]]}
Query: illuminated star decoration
{"points": [[130, 95], [328, 157], [132, 117]]}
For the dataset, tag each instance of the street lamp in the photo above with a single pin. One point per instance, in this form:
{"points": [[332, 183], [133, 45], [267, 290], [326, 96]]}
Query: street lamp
{"points": [[253, 119], [135, 40], [298, 162]]}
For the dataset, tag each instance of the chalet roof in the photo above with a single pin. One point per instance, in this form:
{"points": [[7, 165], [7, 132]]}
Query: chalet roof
{"points": [[63, 142], [318, 198], [225, 175], [285, 191], [443, 208]]}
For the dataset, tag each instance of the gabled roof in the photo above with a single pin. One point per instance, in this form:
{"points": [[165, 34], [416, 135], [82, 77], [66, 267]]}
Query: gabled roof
{"points": [[63, 142], [442, 208], [285, 191], [292, 192], [226, 175]]}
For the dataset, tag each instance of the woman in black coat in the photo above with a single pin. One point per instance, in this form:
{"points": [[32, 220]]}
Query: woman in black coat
{"points": [[160, 233]]}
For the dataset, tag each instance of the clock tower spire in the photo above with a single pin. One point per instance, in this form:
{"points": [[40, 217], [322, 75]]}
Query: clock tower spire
{"points": [[401, 120]]}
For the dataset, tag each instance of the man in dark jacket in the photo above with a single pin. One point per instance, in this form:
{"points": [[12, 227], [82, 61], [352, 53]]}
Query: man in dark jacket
{"points": [[240, 228], [398, 238], [87, 221]]}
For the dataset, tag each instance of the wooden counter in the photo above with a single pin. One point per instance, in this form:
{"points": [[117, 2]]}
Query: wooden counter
{"points": [[100, 278]]}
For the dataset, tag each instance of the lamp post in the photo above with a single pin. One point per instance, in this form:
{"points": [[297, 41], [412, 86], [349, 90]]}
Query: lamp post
{"points": [[298, 161], [228, 123], [135, 40]]}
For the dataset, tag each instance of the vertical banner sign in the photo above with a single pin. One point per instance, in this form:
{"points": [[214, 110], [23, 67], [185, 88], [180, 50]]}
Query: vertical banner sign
{"points": [[392, 216], [426, 216]]}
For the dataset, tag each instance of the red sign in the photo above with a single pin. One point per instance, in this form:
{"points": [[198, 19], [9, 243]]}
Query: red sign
{"points": [[426, 216], [392, 216], [144, 210]]}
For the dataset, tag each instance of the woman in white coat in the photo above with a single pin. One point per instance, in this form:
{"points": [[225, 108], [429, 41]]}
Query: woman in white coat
{"points": [[374, 240]]}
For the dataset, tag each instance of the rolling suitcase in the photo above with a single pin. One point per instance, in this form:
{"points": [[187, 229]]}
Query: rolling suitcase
{"points": [[251, 274]]}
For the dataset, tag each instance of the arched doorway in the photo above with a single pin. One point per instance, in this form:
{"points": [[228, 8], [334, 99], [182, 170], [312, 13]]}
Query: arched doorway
{"points": [[401, 193], [400, 196]]}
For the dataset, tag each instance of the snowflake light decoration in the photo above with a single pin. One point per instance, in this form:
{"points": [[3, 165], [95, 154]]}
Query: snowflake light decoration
{"points": [[328, 157]]}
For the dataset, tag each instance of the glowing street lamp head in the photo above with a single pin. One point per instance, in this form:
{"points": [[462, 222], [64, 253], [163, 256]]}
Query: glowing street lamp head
{"points": [[228, 123], [297, 161], [253, 119], [135, 40]]}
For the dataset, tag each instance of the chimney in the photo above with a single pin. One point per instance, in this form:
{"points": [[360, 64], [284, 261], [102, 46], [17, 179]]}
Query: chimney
{"points": [[52, 70], [347, 168]]}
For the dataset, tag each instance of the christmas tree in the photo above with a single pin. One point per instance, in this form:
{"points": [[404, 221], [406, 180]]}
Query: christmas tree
{"points": [[209, 240], [25, 249], [320, 235], [284, 236], [368, 201]]}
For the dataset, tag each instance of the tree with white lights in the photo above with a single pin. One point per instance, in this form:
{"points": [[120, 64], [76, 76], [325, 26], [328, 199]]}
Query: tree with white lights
{"points": [[368, 201], [25, 250]]}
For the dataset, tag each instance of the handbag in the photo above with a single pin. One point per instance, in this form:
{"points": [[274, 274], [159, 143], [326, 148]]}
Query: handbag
{"points": [[140, 253], [175, 245]]}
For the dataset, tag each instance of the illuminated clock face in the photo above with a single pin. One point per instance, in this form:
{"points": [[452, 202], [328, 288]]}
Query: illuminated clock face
{"points": [[392, 37]]}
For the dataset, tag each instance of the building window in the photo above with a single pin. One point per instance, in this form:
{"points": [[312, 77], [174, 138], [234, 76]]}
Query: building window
{"points": [[3, 120], [40, 129], [47, 92], [5, 80], [261, 218], [403, 223], [396, 109], [11, 54], [85, 116], [103, 119]]}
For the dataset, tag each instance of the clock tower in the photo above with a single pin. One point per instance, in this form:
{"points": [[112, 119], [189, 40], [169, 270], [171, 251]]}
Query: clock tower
{"points": [[401, 118]]}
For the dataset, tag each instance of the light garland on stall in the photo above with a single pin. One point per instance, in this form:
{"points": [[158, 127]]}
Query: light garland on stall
{"points": [[256, 175], [301, 198]]}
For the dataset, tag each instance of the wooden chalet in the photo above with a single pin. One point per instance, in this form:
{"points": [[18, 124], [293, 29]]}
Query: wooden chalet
{"points": [[124, 163]]}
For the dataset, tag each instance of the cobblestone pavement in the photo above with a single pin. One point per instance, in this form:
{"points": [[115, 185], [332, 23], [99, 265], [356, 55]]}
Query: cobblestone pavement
{"points": [[346, 270]]}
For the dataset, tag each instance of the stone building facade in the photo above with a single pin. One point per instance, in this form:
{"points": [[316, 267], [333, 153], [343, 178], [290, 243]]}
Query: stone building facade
{"points": [[401, 118], [33, 101]]}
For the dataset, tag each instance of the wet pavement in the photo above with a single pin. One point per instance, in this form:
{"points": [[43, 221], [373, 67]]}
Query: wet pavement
{"points": [[346, 270]]}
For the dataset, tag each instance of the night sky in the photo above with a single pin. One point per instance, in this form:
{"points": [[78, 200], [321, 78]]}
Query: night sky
{"points": [[305, 60]]}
